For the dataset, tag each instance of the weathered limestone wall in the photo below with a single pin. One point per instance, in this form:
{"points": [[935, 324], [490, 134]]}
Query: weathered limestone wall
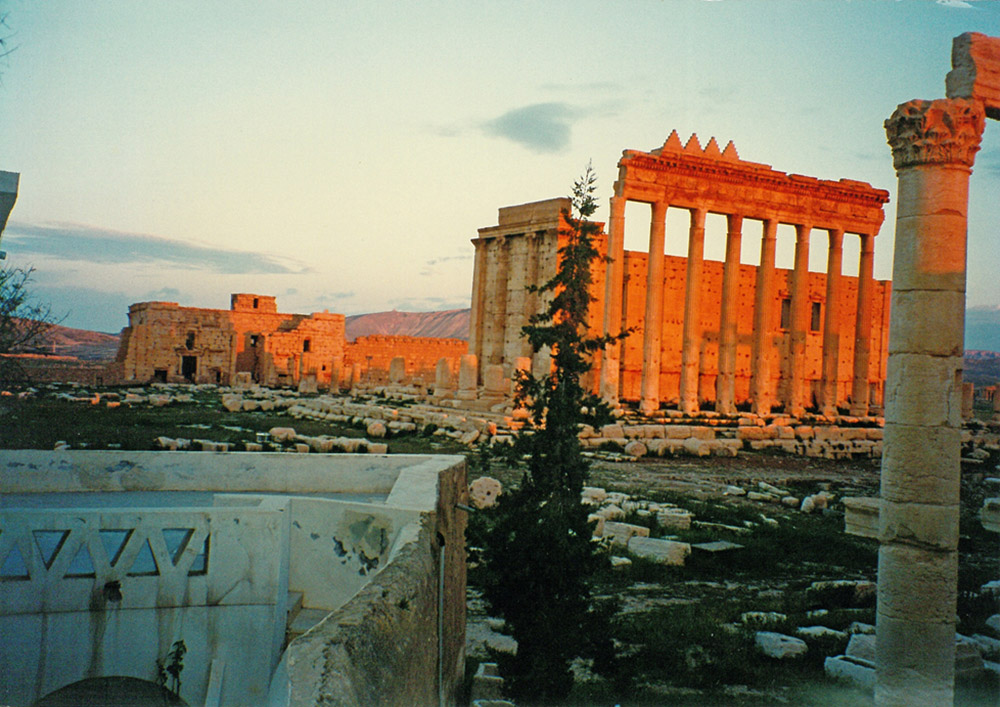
{"points": [[374, 354], [674, 281], [161, 334], [521, 251], [167, 342]]}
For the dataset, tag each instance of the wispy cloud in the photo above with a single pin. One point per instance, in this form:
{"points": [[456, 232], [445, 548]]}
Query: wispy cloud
{"points": [[171, 294], [541, 127], [963, 4], [76, 242], [428, 304]]}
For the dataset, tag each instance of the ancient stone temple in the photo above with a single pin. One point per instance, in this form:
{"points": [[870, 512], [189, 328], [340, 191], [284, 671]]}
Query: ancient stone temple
{"points": [[706, 333], [169, 343]]}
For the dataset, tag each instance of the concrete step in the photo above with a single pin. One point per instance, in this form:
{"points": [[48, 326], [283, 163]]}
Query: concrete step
{"points": [[304, 620], [293, 606]]}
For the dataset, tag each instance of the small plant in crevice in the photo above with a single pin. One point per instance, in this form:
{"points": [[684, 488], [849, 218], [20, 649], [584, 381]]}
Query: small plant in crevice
{"points": [[171, 667]]}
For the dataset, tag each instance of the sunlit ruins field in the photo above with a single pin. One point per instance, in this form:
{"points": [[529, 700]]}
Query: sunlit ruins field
{"points": [[685, 634]]}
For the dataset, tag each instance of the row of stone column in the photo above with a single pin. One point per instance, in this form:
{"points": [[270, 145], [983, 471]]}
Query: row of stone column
{"points": [[762, 343]]}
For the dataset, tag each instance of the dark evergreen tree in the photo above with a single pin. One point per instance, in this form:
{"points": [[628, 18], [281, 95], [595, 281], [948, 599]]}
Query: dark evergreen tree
{"points": [[538, 560]]}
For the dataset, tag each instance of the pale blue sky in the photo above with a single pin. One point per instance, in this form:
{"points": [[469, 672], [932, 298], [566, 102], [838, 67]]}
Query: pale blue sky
{"points": [[340, 155]]}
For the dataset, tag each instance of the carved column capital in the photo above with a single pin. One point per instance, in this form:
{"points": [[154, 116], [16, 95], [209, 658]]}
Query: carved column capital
{"points": [[944, 131]]}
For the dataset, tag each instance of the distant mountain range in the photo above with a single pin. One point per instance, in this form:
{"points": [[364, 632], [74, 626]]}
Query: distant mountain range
{"points": [[982, 336], [447, 324]]}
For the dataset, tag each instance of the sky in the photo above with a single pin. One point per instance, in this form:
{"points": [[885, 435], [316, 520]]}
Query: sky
{"points": [[341, 155]]}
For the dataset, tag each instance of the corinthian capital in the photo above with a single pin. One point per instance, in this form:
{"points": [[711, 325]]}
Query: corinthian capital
{"points": [[945, 131]]}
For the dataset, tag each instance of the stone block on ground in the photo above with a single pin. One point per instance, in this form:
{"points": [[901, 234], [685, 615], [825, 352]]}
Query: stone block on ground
{"points": [[622, 533], [843, 669], [717, 546], [484, 491], [674, 518], [668, 552], [282, 434], [487, 684], [779, 646]]}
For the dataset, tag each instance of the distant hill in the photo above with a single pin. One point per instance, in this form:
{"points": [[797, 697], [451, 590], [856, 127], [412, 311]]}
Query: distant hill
{"points": [[982, 368], [448, 324], [77, 343], [982, 329]]}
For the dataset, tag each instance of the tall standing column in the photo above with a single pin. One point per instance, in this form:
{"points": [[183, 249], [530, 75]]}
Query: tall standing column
{"points": [[863, 327], [652, 333], [831, 322], [933, 147], [725, 382], [763, 335], [613, 278], [691, 353], [476, 315], [795, 393]]}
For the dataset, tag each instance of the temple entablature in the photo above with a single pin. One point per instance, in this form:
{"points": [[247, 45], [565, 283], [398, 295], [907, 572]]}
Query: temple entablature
{"points": [[689, 177]]}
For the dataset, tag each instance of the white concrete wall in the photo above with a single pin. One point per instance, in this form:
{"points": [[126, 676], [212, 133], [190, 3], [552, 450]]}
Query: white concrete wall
{"points": [[59, 629]]}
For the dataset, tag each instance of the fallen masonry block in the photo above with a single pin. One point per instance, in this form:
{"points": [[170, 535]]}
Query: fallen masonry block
{"points": [[762, 618], [674, 518], [592, 495], [484, 491], [668, 552], [819, 632], [846, 670], [717, 546], [780, 646], [861, 516], [282, 434], [487, 684], [622, 533]]}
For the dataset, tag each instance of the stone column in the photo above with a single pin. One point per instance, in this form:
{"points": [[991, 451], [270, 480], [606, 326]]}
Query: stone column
{"points": [[493, 351], [468, 377], [652, 332], [476, 314], [763, 334], [863, 327], [691, 353], [831, 322], [933, 148], [614, 277], [795, 397], [725, 382]]}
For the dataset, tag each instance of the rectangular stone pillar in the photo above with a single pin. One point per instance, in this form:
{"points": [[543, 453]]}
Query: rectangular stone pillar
{"points": [[863, 327], [761, 385], [725, 381], [691, 353], [652, 333], [795, 398], [831, 322], [614, 277]]}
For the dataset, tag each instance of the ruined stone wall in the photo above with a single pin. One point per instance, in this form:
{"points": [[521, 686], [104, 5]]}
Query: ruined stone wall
{"points": [[711, 292], [374, 355], [522, 251], [162, 336], [171, 343]]}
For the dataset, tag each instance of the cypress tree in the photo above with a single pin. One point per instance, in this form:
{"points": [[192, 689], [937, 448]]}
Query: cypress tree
{"points": [[538, 560]]}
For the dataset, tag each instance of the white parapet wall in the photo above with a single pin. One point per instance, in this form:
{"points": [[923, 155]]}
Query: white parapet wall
{"points": [[108, 558]]}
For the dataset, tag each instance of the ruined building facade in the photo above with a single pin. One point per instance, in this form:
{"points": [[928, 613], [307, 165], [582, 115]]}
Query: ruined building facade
{"points": [[166, 342], [705, 333]]}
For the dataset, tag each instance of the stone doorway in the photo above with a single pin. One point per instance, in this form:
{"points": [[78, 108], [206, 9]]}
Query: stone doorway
{"points": [[189, 367]]}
